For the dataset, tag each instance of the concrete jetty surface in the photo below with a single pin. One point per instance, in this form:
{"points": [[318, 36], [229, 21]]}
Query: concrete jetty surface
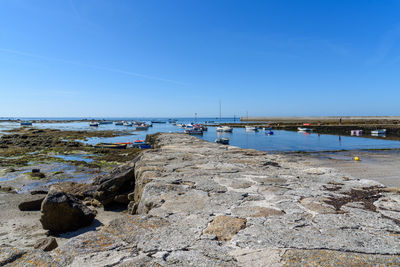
{"points": [[203, 204]]}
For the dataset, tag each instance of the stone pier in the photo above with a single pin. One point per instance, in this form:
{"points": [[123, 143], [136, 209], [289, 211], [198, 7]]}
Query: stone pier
{"points": [[204, 204]]}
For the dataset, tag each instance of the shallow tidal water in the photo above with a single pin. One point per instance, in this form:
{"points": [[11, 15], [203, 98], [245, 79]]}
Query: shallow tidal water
{"points": [[280, 141]]}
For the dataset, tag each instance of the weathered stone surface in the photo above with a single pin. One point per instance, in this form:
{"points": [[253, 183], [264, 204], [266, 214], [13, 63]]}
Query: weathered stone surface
{"points": [[224, 227], [202, 204], [257, 257], [80, 191], [320, 257], [62, 212], [46, 244], [31, 205], [119, 181], [10, 255]]}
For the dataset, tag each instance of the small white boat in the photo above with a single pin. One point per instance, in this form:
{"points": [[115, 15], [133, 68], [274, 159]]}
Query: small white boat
{"points": [[356, 132], [251, 128], [226, 129], [197, 131], [224, 141], [127, 123], [94, 124], [25, 123], [119, 123], [379, 131], [303, 129]]}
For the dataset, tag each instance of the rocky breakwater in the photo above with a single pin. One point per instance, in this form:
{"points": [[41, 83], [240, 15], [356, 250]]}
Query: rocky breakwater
{"points": [[203, 204]]}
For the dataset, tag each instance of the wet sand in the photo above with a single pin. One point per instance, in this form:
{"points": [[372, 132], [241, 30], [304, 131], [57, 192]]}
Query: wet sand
{"points": [[382, 166], [22, 228]]}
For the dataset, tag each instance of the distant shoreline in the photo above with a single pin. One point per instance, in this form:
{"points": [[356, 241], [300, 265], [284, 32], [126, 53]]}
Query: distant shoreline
{"points": [[320, 118]]}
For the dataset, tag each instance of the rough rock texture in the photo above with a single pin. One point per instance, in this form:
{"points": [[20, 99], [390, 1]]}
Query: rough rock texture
{"points": [[46, 244], [80, 191], [202, 204], [224, 227], [62, 212], [113, 186], [31, 205]]}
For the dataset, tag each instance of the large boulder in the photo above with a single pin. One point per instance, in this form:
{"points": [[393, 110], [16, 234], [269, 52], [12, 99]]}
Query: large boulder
{"points": [[119, 181], [62, 212]]}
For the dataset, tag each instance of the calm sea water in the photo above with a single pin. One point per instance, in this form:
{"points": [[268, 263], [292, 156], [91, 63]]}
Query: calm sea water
{"points": [[280, 141]]}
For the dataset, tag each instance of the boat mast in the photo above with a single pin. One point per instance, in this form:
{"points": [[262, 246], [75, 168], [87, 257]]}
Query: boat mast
{"points": [[220, 111]]}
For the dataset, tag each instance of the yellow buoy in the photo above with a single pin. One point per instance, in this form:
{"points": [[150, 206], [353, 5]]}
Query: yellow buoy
{"points": [[356, 158]]}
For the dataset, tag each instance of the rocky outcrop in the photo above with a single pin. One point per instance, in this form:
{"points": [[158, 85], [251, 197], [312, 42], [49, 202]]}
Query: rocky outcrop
{"points": [[31, 205], [202, 204], [62, 212], [115, 186]]}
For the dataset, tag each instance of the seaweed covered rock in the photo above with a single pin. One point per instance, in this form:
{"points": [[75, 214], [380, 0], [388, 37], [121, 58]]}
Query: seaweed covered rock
{"points": [[62, 212]]}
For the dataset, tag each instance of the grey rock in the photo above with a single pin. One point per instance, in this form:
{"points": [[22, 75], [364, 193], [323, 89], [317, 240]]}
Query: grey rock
{"points": [[119, 181], [62, 212]]}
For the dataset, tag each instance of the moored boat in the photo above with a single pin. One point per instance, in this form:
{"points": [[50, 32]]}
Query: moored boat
{"points": [[127, 123], [202, 126], [224, 129], [128, 144], [119, 123], [378, 131], [25, 123], [94, 124], [224, 141], [303, 129], [269, 132], [196, 131], [141, 144], [142, 127], [356, 132], [251, 128], [111, 145]]}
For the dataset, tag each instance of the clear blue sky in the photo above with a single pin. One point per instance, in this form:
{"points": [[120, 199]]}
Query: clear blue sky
{"points": [[175, 58]]}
